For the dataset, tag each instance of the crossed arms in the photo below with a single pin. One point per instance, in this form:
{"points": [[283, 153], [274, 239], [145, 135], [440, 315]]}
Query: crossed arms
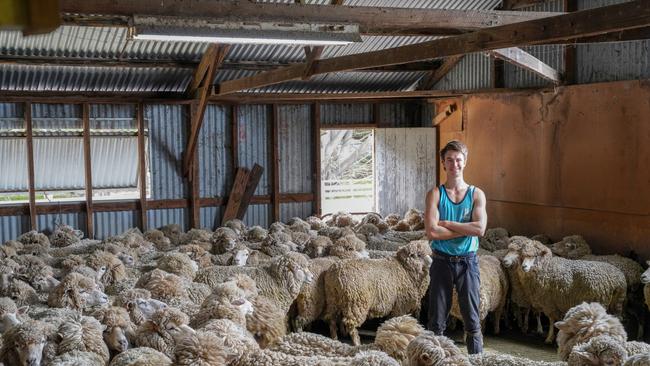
{"points": [[437, 229]]}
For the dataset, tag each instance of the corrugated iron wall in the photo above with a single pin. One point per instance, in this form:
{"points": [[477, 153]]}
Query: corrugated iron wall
{"points": [[405, 114], [340, 114], [158, 218], [472, 72], [258, 215], [12, 227], [47, 223], [295, 209], [254, 129], [295, 148], [214, 149], [113, 223]]}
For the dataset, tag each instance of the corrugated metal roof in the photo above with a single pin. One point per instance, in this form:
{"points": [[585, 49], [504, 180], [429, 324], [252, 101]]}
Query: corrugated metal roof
{"points": [[102, 43]]}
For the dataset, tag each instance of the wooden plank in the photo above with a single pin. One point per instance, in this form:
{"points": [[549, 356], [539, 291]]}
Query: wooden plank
{"points": [[142, 168], [371, 20], [430, 80], [348, 126], [30, 166], [316, 161], [90, 227], [251, 185], [445, 113], [236, 194], [199, 74], [195, 209], [197, 118], [275, 164], [590, 22], [525, 60], [312, 54], [234, 125]]}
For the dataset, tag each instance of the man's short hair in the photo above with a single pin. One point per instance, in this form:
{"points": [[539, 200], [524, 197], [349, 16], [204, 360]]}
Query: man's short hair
{"points": [[453, 145]]}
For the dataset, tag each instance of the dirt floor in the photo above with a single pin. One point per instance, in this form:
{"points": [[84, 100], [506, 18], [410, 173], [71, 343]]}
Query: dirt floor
{"points": [[516, 344]]}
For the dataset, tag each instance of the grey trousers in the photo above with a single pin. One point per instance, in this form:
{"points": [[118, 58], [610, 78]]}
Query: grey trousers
{"points": [[461, 272]]}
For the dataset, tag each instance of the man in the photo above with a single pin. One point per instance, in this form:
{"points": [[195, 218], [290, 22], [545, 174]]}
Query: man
{"points": [[454, 219]]}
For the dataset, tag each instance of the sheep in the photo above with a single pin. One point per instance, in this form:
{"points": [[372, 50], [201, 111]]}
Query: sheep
{"points": [[235, 257], [236, 225], [139, 304], [24, 343], [645, 279], [10, 314], [76, 292], [115, 270], [571, 247], [120, 330], [318, 246], [173, 232], [223, 240], [402, 225], [583, 322], [599, 350], [427, 349], [297, 224], [199, 235], [78, 358], [415, 219], [34, 238], [542, 238], [82, 333], [279, 280], [141, 356], [227, 301], [198, 254], [494, 239], [162, 330], [159, 240], [278, 243], [493, 291], [256, 233], [348, 246], [376, 220], [64, 235], [341, 219], [179, 264], [358, 289], [554, 285], [392, 337], [202, 349], [255, 258], [642, 359]]}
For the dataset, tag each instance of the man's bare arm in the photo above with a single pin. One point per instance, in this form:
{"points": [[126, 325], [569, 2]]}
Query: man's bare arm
{"points": [[431, 219], [479, 218]]}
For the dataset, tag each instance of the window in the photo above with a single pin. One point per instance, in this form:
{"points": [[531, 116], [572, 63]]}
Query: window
{"points": [[347, 170]]}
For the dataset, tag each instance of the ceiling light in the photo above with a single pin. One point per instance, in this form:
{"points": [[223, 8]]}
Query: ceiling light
{"points": [[209, 30]]}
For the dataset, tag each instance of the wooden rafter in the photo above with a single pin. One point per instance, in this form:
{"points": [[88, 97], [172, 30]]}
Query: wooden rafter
{"points": [[431, 79], [313, 53], [371, 20], [202, 69], [565, 27], [197, 117], [30, 165], [525, 60]]}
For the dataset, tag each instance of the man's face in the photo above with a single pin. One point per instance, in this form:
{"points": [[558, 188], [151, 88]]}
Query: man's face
{"points": [[454, 163]]}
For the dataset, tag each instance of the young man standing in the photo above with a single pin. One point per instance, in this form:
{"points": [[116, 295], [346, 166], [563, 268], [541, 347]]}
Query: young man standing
{"points": [[455, 217]]}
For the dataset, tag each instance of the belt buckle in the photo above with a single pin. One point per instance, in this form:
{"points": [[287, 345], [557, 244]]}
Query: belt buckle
{"points": [[455, 259]]}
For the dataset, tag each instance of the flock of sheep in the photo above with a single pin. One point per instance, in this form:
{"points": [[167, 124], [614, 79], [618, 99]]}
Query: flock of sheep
{"points": [[245, 296]]}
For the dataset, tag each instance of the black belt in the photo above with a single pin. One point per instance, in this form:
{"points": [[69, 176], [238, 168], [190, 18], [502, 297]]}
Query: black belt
{"points": [[453, 258]]}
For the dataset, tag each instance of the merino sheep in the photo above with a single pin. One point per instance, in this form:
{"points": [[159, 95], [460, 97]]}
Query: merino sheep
{"points": [[554, 285], [120, 330], [82, 333], [64, 235], [202, 349], [318, 246], [173, 232], [227, 301], [236, 225], [198, 254], [34, 238], [279, 280], [199, 235], [141, 356], [494, 239], [115, 271], [315, 223], [78, 358], [642, 359], [359, 289], [493, 291], [179, 264], [139, 304], [24, 344], [76, 292], [427, 349], [376, 220], [158, 238], [256, 233], [162, 330], [10, 314], [571, 247], [600, 350]]}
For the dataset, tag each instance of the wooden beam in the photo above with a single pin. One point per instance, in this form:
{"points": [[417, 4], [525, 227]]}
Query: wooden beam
{"points": [[584, 23], [30, 166], [371, 20], [142, 167], [570, 61], [199, 74], [519, 4], [197, 118], [525, 60], [234, 125], [275, 166], [444, 114], [253, 180], [90, 227], [430, 80], [315, 117], [236, 194], [195, 209], [312, 54]]}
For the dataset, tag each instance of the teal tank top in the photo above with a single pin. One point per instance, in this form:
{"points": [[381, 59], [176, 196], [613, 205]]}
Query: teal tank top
{"points": [[459, 212]]}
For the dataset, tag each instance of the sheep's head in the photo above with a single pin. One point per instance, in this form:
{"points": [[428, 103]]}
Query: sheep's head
{"points": [[173, 232], [10, 313], [172, 322], [293, 268], [318, 246], [348, 246], [600, 350], [163, 285], [41, 278], [645, 277], [415, 257], [108, 266], [427, 349], [392, 219], [240, 256], [572, 247], [180, 264], [77, 292], [236, 225], [256, 233], [118, 327], [246, 284], [525, 253], [158, 238], [314, 222], [27, 340]]}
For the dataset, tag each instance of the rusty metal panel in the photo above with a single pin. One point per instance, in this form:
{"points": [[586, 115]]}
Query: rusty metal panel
{"points": [[113, 223], [566, 157], [215, 152], [340, 114], [211, 217], [168, 134], [405, 165], [158, 218], [472, 72], [254, 127], [258, 215], [295, 209], [295, 148], [11, 227]]}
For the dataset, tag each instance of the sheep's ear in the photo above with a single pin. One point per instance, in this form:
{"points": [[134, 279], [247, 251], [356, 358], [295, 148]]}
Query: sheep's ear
{"points": [[23, 310], [591, 358], [546, 252], [647, 262], [238, 302], [561, 325], [130, 305]]}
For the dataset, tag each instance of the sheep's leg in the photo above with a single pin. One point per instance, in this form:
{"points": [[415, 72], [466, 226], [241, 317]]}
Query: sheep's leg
{"points": [[497, 320], [540, 328], [333, 329], [354, 335], [526, 314], [551, 331]]}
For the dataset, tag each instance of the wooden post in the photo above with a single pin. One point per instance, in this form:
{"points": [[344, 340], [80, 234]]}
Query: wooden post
{"points": [[195, 218], [570, 63], [30, 165], [234, 123], [90, 228], [275, 166], [142, 166], [316, 161]]}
